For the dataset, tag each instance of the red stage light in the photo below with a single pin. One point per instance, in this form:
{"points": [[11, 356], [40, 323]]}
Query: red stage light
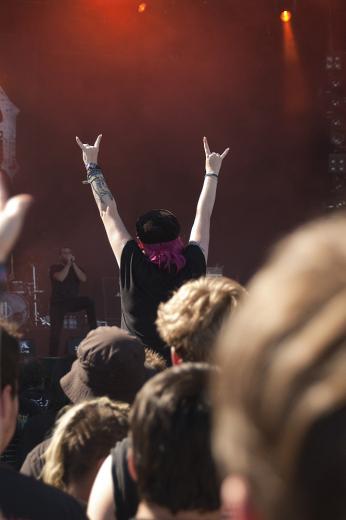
{"points": [[286, 16], [142, 7]]}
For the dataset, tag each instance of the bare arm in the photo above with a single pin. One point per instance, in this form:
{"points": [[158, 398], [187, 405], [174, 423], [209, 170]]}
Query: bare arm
{"points": [[200, 232], [61, 275], [116, 231], [80, 274], [12, 217], [101, 504]]}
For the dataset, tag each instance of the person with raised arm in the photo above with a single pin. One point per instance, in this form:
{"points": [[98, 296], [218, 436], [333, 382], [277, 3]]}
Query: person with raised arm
{"points": [[157, 262]]}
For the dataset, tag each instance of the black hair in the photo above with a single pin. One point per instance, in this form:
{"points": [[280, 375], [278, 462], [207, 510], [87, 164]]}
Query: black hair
{"points": [[156, 226]]}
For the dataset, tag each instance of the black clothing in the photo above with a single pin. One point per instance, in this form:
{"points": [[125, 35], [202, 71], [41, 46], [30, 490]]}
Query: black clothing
{"points": [[22, 497], [125, 489], [57, 312], [27, 410], [65, 299], [67, 289], [143, 286]]}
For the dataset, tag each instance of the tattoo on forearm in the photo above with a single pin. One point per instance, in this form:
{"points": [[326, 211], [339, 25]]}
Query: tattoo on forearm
{"points": [[101, 191]]}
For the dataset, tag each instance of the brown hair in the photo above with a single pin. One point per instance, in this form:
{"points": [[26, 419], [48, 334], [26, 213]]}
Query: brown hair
{"points": [[83, 436], [170, 431], [191, 320], [284, 372]]}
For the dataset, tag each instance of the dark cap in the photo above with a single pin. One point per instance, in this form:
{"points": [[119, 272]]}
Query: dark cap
{"points": [[156, 226], [110, 362]]}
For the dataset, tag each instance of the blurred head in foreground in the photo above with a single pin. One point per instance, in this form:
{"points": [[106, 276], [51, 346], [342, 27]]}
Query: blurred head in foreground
{"points": [[280, 419]]}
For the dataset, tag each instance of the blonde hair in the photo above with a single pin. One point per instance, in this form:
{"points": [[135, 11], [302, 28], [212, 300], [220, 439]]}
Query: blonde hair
{"points": [[284, 365], [83, 436], [191, 320]]}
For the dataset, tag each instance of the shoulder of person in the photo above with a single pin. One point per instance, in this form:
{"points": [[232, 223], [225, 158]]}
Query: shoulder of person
{"points": [[36, 496], [34, 460], [130, 249], [193, 248]]}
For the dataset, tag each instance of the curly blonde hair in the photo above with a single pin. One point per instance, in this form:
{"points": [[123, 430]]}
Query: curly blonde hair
{"points": [[83, 436], [191, 320]]}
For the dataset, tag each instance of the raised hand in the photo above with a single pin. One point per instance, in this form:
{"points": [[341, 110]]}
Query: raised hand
{"points": [[90, 153], [12, 215], [213, 161]]}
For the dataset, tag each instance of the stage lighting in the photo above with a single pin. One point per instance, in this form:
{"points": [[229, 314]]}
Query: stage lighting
{"points": [[334, 62], [337, 163], [142, 7], [286, 16], [286, 9]]}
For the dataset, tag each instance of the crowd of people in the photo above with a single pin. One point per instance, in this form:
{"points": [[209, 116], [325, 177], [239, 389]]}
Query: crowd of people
{"points": [[211, 401]]}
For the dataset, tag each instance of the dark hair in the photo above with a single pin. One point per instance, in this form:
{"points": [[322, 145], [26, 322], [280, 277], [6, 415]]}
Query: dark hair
{"points": [[9, 358], [170, 427], [156, 226]]}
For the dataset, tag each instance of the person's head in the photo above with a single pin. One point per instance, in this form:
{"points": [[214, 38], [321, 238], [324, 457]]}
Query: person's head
{"points": [[9, 372], [280, 424], [157, 226], [110, 362], [158, 235], [170, 429], [192, 319], [65, 254], [82, 439]]}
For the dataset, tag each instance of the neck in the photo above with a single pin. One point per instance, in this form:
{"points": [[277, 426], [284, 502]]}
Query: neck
{"points": [[81, 487], [148, 511]]}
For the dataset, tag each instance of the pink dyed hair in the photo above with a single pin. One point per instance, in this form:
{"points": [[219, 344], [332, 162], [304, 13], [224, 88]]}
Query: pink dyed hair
{"points": [[165, 254]]}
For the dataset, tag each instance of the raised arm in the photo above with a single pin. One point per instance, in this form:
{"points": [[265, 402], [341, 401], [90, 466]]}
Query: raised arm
{"points": [[61, 275], [12, 216], [201, 227], [82, 277], [114, 226]]}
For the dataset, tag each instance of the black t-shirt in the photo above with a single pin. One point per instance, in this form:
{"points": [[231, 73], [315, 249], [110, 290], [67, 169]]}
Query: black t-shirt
{"points": [[67, 289], [23, 497], [143, 286], [125, 488]]}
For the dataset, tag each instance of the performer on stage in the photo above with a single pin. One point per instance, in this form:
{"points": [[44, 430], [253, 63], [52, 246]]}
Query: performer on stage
{"points": [[158, 262], [66, 278]]}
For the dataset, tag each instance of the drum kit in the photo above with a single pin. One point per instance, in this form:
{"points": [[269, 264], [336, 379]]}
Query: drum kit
{"points": [[20, 303]]}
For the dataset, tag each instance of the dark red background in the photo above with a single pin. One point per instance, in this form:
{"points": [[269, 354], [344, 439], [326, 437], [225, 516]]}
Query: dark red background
{"points": [[154, 84]]}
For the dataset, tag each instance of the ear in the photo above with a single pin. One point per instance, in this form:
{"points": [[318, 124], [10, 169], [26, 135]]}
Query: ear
{"points": [[131, 464], [176, 359], [235, 498], [7, 402], [139, 243], [8, 415]]}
